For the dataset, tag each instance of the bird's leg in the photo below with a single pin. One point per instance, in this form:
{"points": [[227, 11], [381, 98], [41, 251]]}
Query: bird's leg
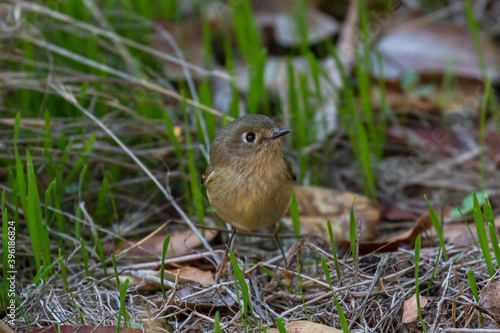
{"points": [[223, 266], [230, 240], [276, 237]]}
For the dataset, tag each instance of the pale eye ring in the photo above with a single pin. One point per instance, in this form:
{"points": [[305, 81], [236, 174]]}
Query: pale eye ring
{"points": [[249, 137]]}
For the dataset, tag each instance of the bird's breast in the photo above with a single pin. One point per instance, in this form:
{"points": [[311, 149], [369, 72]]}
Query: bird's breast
{"points": [[250, 198]]}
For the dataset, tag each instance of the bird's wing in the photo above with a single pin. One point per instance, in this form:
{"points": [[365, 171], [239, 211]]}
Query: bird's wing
{"points": [[207, 175], [290, 170]]}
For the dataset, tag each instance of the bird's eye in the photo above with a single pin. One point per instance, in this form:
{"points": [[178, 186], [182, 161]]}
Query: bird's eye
{"points": [[250, 137]]}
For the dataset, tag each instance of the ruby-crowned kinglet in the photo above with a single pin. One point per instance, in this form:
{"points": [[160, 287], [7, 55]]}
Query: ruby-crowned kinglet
{"points": [[249, 182]]}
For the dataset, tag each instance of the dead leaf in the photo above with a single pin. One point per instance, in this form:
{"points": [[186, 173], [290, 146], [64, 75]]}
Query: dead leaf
{"points": [[277, 22], [489, 298], [212, 301], [183, 242], [303, 326], [318, 205], [193, 274], [423, 223], [180, 243], [320, 27], [83, 329], [410, 311], [412, 43], [149, 280], [5, 329]]}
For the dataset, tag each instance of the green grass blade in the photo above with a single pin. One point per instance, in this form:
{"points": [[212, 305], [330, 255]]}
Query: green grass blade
{"points": [[494, 242], [20, 179], [315, 71], [300, 287], [162, 267], [353, 232], [365, 95], [365, 160], [246, 31], [178, 152], [437, 227], [3, 198], [257, 90], [474, 31], [35, 208], [301, 18], [244, 287], [64, 274], [85, 258], [340, 312], [473, 287], [327, 272], [45, 272], [342, 318], [100, 252], [481, 234], [48, 201], [217, 328], [115, 270], [31, 213], [105, 193], [433, 272], [82, 160], [123, 294], [281, 327], [334, 252], [170, 9], [302, 124], [194, 180], [488, 211], [78, 225], [294, 213], [490, 220], [206, 99], [417, 289], [48, 143]]}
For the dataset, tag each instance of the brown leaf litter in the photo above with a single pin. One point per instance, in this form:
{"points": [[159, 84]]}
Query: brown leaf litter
{"points": [[303, 326], [410, 312]]}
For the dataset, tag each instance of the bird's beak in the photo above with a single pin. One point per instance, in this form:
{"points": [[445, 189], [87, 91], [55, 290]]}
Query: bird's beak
{"points": [[280, 133]]}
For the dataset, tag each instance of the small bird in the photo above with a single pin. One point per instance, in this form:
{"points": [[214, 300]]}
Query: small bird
{"points": [[249, 182]]}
